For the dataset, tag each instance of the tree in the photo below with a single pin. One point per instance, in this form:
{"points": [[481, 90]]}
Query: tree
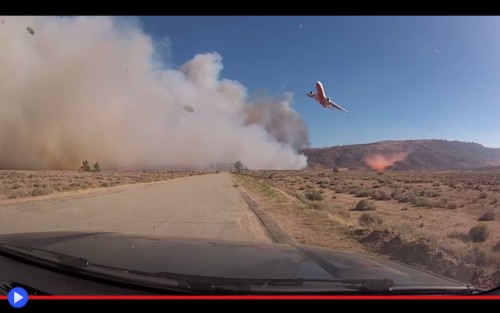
{"points": [[85, 167], [97, 168], [238, 166]]}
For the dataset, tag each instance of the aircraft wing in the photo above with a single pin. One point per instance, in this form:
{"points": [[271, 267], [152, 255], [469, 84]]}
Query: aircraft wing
{"points": [[311, 94], [333, 105]]}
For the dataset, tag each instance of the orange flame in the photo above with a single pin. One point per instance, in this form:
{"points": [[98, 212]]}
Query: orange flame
{"points": [[379, 162]]}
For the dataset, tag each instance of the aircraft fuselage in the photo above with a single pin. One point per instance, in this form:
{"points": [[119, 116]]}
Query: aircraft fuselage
{"points": [[320, 91]]}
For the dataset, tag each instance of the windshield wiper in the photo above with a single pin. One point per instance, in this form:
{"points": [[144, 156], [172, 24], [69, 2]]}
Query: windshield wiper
{"points": [[380, 286], [228, 284], [45, 255], [361, 284], [433, 289], [77, 265]]}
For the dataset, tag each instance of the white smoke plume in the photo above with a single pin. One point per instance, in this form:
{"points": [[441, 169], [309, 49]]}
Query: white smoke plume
{"points": [[279, 120], [90, 88]]}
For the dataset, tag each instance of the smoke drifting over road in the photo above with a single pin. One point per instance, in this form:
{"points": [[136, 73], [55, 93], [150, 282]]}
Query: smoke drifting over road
{"points": [[91, 88], [380, 162]]}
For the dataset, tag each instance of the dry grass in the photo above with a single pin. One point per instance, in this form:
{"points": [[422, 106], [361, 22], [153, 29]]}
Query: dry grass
{"points": [[22, 184]]}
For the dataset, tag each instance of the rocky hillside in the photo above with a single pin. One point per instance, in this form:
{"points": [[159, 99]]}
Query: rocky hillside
{"points": [[405, 155]]}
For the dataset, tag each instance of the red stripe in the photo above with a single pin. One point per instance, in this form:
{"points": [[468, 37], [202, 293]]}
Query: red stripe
{"points": [[261, 297]]}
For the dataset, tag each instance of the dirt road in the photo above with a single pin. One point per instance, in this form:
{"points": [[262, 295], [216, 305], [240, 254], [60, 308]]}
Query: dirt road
{"points": [[207, 206]]}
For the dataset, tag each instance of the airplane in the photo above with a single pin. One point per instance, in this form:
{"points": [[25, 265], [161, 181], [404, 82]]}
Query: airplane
{"points": [[323, 99]]}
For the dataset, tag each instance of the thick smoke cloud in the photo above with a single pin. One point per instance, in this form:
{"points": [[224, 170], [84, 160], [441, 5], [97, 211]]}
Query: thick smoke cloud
{"points": [[279, 120], [90, 88]]}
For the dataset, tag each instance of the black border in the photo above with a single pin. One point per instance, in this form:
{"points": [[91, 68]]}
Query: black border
{"points": [[248, 305], [255, 7]]}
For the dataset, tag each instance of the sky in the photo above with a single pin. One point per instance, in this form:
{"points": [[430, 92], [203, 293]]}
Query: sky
{"points": [[198, 92], [400, 77]]}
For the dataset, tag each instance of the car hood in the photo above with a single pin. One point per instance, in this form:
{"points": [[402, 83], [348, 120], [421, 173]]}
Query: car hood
{"points": [[219, 258]]}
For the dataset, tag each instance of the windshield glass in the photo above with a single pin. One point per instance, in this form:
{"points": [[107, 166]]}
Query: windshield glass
{"points": [[347, 141]]}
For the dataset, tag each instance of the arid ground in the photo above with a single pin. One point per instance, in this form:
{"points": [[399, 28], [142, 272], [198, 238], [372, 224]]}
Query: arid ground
{"points": [[445, 222]]}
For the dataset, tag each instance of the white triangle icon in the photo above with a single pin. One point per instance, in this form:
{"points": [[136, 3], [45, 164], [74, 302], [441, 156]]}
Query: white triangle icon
{"points": [[17, 297]]}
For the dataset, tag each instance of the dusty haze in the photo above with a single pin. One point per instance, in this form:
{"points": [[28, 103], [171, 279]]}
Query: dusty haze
{"points": [[91, 88]]}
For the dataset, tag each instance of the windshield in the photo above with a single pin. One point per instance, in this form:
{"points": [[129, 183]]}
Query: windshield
{"points": [[377, 137]]}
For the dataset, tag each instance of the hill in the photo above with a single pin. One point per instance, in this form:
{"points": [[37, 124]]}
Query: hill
{"points": [[405, 155]]}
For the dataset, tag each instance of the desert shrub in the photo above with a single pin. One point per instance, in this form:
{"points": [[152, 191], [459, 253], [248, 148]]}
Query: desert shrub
{"points": [[15, 186], [396, 194], [365, 205], [41, 191], [381, 195], [479, 233], [441, 203], [335, 170], [432, 194], [354, 190], [487, 216], [19, 193], [496, 247], [408, 197], [479, 256], [483, 195], [299, 195], [367, 219], [364, 193], [452, 205], [423, 202], [314, 195], [338, 188]]}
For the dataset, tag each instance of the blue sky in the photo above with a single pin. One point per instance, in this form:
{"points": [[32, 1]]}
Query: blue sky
{"points": [[402, 77]]}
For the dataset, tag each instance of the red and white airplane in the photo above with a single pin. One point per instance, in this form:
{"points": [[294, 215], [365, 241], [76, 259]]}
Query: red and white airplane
{"points": [[323, 99]]}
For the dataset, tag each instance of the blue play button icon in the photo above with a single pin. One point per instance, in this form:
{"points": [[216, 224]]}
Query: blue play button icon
{"points": [[18, 297]]}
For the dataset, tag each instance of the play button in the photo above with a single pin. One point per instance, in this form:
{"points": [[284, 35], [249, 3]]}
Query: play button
{"points": [[18, 297]]}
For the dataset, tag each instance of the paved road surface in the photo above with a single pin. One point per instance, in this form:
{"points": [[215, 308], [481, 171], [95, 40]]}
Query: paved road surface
{"points": [[205, 206]]}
